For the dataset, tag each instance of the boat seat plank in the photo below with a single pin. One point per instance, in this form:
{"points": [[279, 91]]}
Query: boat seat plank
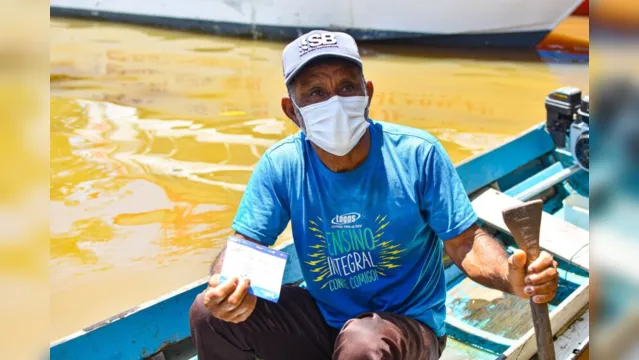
{"points": [[557, 236]]}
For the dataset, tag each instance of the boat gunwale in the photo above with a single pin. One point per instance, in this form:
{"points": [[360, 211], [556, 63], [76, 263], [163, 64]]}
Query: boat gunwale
{"points": [[138, 308]]}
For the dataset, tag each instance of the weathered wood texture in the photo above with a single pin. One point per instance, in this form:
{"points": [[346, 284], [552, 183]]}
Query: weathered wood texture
{"points": [[575, 337], [558, 237], [562, 315], [489, 310]]}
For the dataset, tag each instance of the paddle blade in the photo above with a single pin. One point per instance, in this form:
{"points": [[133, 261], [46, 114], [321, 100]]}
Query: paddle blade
{"points": [[524, 222]]}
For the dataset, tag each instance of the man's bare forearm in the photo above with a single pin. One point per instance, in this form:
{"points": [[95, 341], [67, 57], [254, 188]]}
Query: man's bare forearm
{"points": [[489, 257], [481, 257]]}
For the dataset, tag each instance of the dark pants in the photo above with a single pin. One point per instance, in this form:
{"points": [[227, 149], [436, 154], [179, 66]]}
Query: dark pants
{"points": [[294, 328]]}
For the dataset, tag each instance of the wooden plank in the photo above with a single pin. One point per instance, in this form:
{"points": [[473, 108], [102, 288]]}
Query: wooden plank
{"points": [[557, 236], [574, 338], [582, 352], [476, 336], [491, 311], [562, 315]]}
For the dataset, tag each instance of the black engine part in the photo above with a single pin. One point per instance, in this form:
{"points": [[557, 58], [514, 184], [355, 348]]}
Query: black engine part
{"points": [[562, 106]]}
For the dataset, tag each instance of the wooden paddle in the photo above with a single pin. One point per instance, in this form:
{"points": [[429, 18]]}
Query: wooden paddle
{"points": [[524, 223]]}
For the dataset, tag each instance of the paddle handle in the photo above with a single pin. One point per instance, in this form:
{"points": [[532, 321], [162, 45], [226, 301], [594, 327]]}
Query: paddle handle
{"points": [[543, 331], [524, 222]]}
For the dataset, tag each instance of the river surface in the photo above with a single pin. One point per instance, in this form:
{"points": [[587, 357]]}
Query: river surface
{"points": [[154, 135]]}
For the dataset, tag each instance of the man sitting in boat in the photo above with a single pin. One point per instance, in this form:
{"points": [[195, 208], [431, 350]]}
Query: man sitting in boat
{"points": [[373, 206]]}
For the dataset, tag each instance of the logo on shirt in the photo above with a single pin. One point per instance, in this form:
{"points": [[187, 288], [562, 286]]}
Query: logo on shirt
{"points": [[317, 41], [346, 218], [351, 256]]}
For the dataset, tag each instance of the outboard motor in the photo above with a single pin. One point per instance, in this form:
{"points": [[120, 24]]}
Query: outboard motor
{"points": [[580, 135], [568, 118]]}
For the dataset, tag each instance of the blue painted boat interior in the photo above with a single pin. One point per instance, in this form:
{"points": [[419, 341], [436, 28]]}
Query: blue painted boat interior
{"points": [[512, 168]]}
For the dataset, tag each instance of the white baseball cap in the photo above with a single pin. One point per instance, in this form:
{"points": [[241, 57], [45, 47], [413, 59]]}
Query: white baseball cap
{"points": [[315, 44]]}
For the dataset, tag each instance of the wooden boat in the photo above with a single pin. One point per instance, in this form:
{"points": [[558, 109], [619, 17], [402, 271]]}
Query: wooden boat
{"points": [[516, 23], [482, 323]]}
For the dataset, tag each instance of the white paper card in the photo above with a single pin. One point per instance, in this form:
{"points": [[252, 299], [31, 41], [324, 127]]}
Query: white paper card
{"points": [[263, 266]]}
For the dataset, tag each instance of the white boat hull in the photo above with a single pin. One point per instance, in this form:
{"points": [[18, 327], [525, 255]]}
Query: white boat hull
{"points": [[491, 22]]}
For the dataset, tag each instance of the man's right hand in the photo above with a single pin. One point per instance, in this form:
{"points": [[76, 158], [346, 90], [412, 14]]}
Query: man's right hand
{"points": [[229, 301]]}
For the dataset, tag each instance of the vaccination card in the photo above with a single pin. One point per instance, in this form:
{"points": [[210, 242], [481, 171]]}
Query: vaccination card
{"points": [[260, 264]]}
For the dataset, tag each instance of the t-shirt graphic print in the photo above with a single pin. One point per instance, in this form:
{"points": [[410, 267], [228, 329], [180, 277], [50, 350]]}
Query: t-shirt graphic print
{"points": [[370, 239]]}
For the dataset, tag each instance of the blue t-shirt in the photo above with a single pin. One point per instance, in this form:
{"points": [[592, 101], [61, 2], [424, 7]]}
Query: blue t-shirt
{"points": [[368, 240]]}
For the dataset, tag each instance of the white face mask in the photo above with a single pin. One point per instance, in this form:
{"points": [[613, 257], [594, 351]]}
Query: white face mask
{"points": [[337, 124]]}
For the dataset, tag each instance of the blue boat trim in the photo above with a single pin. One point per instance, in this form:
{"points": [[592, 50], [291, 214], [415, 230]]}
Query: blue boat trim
{"points": [[111, 319], [504, 159], [142, 332], [527, 39], [540, 176]]}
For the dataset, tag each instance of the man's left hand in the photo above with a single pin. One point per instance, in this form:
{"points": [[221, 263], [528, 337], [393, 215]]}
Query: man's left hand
{"points": [[540, 281]]}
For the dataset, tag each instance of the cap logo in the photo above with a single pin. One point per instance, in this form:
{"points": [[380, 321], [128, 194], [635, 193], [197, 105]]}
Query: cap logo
{"points": [[317, 41]]}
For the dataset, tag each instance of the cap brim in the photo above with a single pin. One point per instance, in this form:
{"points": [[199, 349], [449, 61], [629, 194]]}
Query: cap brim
{"points": [[353, 59]]}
